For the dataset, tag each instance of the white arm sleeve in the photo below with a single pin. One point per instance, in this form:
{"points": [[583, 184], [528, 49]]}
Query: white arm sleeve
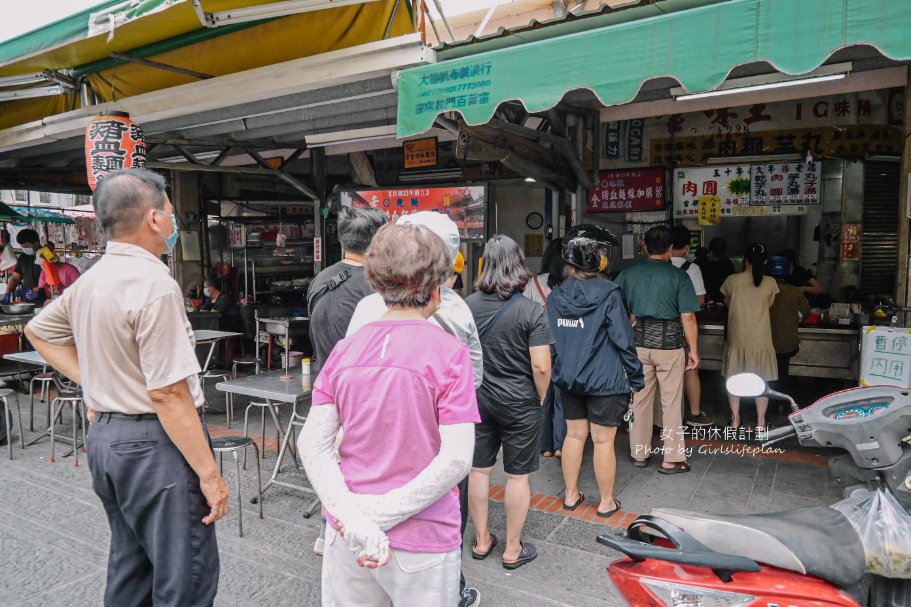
{"points": [[444, 471], [316, 445]]}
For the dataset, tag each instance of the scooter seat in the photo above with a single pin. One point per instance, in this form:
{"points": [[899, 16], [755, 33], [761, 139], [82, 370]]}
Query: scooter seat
{"points": [[817, 541]]}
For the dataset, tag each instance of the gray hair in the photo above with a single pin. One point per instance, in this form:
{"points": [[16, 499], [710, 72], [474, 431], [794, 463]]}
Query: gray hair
{"points": [[356, 228], [504, 272], [123, 197]]}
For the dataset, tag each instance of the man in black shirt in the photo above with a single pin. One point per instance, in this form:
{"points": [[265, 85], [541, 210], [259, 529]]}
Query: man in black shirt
{"points": [[801, 277], [335, 292]]}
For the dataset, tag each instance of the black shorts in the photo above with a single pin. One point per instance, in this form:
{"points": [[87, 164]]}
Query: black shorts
{"points": [[601, 410], [516, 427]]}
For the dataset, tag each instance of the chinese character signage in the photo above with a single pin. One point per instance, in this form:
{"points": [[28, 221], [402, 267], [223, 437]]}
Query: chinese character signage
{"points": [[785, 183], [709, 210], [886, 358], [453, 89], [850, 241], [420, 153], [467, 206], [112, 142], [731, 184], [628, 190]]}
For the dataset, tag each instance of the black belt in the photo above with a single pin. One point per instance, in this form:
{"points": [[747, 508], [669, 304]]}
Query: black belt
{"points": [[138, 417]]}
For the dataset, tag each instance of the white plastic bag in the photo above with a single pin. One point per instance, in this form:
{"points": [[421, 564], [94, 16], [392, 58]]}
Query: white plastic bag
{"points": [[885, 531]]}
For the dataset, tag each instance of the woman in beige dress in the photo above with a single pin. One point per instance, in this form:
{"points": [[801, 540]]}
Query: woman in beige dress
{"points": [[748, 347]]}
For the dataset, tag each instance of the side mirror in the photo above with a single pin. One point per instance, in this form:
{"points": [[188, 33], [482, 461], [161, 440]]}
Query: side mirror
{"points": [[746, 385]]}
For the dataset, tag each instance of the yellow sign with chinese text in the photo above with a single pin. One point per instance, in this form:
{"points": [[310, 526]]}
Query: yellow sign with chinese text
{"points": [[420, 153], [709, 210]]}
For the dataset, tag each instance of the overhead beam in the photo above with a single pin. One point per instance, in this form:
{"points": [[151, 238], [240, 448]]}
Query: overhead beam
{"points": [[560, 143], [207, 168], [159, 66]]}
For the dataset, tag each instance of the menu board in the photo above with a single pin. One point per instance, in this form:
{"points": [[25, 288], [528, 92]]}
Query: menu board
{"points": [[731, 184], [885, 357], [785, 183], [628, 190]]}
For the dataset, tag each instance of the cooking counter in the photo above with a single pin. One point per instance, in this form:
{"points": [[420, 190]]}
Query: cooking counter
{"points": [[825, 351]]}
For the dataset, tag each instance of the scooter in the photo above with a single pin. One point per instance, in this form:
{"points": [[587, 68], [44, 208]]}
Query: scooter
{"points": [[807, 557]]}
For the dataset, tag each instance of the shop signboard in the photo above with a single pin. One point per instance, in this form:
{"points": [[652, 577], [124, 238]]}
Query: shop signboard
{"points": [[885, 356], [236, 236], [466, 205], [785, 183], [627, 191], [420, 153], [731, 184]]}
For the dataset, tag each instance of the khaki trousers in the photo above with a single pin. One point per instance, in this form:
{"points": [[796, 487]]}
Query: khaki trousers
{"points": [[663, 370]]}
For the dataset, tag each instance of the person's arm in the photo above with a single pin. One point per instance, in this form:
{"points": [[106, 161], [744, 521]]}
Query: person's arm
{"points": [[812, 286], [477, 354], [14, 282], [63, 359], [52, 336], [180, 420], [803, 306], [691, 332], [444, 471], [540, 366], [621, 335]]}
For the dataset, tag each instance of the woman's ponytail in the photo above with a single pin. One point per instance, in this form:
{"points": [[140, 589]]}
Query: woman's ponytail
{"points": [[756, 256]]}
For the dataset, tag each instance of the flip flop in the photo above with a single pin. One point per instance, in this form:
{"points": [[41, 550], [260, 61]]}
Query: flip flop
{"points": [[679, 468], [527, 555], [480, 556], [576, 505], [609, 512], [547, 454], [641, 463]]}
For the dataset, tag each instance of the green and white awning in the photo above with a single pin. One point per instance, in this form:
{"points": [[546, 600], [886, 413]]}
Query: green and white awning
{"points": [[698, 47]]}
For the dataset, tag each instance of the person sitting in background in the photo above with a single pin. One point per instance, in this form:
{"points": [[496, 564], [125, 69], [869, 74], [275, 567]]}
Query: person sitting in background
{"points": [[216, 301], [788, 309], [716, 266], [27, 272]]}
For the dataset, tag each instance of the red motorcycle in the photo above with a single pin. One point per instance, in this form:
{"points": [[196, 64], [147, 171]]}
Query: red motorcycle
{"points": [[808, 557]]}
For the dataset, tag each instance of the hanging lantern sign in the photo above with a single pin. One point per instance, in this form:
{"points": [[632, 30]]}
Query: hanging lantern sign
{"points": [[112, 142]]}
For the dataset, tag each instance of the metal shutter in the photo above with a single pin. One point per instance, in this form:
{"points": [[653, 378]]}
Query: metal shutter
{"points": [[879, 262]]}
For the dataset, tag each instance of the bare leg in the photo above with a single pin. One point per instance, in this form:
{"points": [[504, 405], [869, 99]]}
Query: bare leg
{"points": [[734, 402], [605, 464], [573, 446], [518, 497], [693, 390], [762, 405], [478, 504]]}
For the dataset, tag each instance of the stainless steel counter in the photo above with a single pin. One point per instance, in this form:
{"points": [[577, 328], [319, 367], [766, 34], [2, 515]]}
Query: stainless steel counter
{"points": [[824, 351]]}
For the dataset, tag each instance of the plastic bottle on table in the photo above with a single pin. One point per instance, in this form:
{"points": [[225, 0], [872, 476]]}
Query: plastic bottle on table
{"points": [[305, 373]]}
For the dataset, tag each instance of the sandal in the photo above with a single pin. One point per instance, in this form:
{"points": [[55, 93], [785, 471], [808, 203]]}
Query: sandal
{"points": [[527, 555], [641, 463], [480, 556], [678, 468], [576, 505], [547, 454], [558, 453], [609, 512]]}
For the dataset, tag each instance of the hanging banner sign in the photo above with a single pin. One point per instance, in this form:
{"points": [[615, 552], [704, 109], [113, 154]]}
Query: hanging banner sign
{"points": [[112, 142], [466, 206], [709, 210], [785, 183], [730, 184], [628, 190]]}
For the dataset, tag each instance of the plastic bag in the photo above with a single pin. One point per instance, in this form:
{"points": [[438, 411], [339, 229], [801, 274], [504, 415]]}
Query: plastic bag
{"points": [[884, 529]]}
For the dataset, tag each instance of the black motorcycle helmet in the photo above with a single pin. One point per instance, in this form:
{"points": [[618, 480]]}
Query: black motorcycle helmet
{"points": [[584, 246]]}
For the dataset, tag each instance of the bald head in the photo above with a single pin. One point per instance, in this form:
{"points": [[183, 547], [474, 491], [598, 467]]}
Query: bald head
{"points": [[123, 198]]}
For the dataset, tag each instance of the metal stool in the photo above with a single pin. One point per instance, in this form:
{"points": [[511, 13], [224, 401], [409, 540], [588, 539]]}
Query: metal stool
{"points": [[233, 444], [45, 379], [276, 418], [74, 400], [219, 374], [5, 393], [246, 360]]}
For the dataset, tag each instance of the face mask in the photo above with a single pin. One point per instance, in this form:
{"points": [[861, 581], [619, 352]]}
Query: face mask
{"points": [[28, 251], [170, 241], [207, 292]]}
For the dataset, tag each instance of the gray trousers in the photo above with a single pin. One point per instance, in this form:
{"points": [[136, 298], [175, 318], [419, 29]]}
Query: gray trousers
{"points": [[161, 553]]}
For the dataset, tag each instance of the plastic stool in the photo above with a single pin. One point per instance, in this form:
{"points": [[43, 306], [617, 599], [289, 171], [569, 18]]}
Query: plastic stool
{"points": [[233, 444]]}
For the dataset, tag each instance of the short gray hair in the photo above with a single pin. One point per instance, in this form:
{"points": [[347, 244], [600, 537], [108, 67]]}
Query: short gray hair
{"points": [[123, 197], [356, 228]]}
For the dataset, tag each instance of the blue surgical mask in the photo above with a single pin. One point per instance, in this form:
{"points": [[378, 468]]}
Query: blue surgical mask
{"points": [[28, 251], [207, 292], [170, 241]]}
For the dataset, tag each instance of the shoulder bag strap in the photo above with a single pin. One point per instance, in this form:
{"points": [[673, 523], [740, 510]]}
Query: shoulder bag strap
{"points": [[486, 332], [541, 291]]}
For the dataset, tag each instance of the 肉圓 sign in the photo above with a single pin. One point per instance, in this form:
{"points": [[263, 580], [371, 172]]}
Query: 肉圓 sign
{"points": [[785, 188], [627, 191], [466, 206]]}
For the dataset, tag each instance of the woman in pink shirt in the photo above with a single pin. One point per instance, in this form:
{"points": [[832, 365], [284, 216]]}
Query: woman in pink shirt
{"points": [[403, 391], [66, 272]]}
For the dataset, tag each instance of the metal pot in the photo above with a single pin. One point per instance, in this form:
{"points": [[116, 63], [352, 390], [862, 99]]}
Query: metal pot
{"points": [[18, 309]]}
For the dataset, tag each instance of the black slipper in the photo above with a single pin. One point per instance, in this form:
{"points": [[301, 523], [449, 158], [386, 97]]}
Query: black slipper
{"points": [[576, 505], [679, 468], [527, 555], [609, 512], [480, 556], [641, 463]]}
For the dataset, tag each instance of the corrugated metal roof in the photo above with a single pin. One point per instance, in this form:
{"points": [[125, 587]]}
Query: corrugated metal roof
{"points": [[602, 16]]}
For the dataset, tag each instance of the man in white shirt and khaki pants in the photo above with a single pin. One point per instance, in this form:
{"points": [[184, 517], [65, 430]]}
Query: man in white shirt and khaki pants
{"points": [[121, 332]]}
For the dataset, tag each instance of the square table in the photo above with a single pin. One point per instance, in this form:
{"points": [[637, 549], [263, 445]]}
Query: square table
{"points": [[211, 338]]}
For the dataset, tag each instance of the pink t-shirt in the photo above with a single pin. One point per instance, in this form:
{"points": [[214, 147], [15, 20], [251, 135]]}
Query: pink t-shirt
{"points": [[66, 272], [394, 384]]}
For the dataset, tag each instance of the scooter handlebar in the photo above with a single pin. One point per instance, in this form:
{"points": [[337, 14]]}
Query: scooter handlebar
{"points": [[778, 434]]}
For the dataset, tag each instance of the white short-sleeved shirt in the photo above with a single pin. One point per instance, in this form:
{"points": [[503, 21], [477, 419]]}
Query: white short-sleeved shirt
{"points": [[127, 319], [693, 272]]}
